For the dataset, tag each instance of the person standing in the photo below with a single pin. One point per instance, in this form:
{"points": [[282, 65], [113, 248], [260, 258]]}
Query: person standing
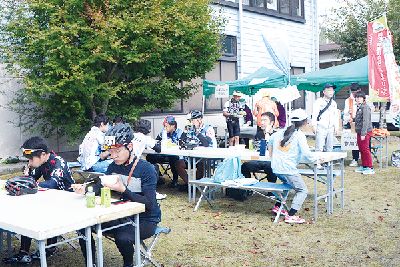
{"points": [[265, 104], [325, 119], [363, 127], [232, 109], [349, 113]]}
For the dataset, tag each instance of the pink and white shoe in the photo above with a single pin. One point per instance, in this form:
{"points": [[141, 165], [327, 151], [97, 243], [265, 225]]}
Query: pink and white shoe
{"points": [[276, 209], [294, 219]]}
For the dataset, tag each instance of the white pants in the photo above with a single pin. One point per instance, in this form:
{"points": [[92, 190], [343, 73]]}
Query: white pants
{"points": [[324, 137]]}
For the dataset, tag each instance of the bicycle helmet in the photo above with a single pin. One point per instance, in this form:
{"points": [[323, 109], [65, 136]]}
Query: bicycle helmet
{"points": [[21, 185], [195, 114], [119, 135]]}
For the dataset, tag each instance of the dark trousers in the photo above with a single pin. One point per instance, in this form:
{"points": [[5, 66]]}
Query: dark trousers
{"points": [[26, 242], [356, 154], [154, 159], [124, 238], [254, 166]]}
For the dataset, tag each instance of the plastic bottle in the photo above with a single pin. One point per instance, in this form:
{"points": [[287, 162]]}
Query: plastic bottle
{"points": [[90, 198], [164, 139]]}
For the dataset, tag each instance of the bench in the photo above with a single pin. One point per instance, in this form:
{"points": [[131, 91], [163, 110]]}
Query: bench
{"points": [[207, 185]]}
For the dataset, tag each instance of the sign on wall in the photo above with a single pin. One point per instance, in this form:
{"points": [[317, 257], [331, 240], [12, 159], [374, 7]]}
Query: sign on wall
{"points": [[349, 141]]}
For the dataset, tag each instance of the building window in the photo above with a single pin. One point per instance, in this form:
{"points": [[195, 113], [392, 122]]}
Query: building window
{"points": [[286, 9], [228, 47]]}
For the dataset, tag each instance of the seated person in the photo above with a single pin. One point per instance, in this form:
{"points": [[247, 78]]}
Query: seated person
{"points": [[90, 155], [56, 175], [173, 134], [267, 125], [119, 120], [141, 138], [118, 143], [205, 135]]}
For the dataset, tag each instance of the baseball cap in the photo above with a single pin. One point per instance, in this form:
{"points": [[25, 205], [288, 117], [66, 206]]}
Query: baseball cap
{"points": [[169, 119], [237, 93], [299, 114], [329, 85]]}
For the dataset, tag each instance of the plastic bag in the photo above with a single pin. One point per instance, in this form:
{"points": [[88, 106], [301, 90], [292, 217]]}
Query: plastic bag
{"points": [[229, 169]]}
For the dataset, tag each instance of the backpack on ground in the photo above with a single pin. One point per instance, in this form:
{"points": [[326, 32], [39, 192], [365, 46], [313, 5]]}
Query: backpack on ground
{"points": [[396, 158]]}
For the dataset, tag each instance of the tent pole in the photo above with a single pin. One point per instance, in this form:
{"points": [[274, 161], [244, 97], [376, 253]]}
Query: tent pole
{"points": [[202, 106]]}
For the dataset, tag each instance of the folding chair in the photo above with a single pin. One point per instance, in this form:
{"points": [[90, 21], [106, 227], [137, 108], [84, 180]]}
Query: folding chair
{"points": [[165, 166], [146, 250], [374, 152]]}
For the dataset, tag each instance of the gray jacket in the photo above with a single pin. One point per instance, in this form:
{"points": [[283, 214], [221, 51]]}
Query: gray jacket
{"points": [[363, 123]]}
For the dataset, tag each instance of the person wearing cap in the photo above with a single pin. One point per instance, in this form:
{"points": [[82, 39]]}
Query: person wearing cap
{"points": [[265, 104], [232, 109], [286, 148], [325, 119], [349, 113], [142, 190], [173, 134], [91, 157], [56, 175], [267, 124]]}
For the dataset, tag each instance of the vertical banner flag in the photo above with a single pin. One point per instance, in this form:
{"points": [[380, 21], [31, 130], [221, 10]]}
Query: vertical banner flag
{"points": [[384, 77], [383, 72], [276, 42]]}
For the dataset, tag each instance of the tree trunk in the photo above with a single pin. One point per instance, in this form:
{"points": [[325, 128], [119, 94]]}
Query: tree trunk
{"points": [[382, 115]]}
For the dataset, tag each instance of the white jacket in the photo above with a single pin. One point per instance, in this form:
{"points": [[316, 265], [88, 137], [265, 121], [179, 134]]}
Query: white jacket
{"points": [[329, 118]]}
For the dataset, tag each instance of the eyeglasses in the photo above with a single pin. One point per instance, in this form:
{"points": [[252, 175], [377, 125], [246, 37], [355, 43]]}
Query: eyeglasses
{"points": [[116, 145], [29, 151]]}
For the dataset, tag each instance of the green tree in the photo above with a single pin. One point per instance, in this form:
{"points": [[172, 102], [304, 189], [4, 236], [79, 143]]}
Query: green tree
{"points": [[78, 59], [348, 27]]}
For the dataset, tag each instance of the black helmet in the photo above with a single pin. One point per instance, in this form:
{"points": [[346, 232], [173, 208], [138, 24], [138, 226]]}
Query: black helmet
{"points": [[21, 185], [118, 135], [195, 114]]}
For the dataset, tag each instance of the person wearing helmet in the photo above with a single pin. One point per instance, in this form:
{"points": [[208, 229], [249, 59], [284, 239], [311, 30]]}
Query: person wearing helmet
{"points": [[206, 136], [91, 157], [173, 133], [267, 124], [141, 188], [286, 148], [265, 104], [325, 119], [56, 175], [232, 109]]}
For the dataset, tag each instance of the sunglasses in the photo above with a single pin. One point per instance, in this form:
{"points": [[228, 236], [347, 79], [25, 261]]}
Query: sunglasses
{"points": [[106, 147], [29, 151]]}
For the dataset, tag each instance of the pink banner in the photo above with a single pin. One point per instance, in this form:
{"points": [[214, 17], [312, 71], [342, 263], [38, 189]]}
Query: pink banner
{"points": [[378, 80]]}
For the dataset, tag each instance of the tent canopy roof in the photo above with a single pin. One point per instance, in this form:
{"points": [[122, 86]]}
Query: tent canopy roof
{"points": [[262, 78]]}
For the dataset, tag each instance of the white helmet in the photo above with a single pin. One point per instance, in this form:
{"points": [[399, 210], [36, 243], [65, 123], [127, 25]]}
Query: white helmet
{"points": [[299, 115]]}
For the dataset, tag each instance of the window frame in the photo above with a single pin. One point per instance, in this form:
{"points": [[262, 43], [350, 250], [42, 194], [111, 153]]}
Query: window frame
{"points": [[266, 11]]}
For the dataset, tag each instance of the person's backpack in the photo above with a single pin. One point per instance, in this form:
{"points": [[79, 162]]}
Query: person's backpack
{"points": [[21, 185], [238, 194], [396, 158], [229, 169]]}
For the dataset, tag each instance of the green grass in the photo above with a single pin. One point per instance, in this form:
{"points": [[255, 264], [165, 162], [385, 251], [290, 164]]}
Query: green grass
{"points": [[233, 233]]}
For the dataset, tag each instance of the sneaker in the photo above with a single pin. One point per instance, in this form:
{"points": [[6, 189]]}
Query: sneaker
{"points": [[354, 163], [283, 212], [368, 171], [49, 252], [294, 219], [160, 196], [21, 258], [361, 169]]}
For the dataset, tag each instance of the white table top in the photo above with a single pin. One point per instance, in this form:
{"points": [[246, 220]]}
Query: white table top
{"points": [[245, 154], [54, 212]]}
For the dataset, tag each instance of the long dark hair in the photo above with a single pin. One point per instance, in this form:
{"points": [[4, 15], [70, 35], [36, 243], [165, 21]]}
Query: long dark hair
{"points": [[290, 130]]}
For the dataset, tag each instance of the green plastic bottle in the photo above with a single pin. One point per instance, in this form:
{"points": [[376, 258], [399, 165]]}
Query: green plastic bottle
{"points": [[90, 198]]}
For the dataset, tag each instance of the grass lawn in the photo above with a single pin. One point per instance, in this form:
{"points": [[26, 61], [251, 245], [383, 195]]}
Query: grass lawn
{"points": [[234, 233]]}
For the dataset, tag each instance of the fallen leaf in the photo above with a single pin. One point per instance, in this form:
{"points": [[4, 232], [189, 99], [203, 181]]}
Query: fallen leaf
{"points": [[380, 218], [209, 256]]}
